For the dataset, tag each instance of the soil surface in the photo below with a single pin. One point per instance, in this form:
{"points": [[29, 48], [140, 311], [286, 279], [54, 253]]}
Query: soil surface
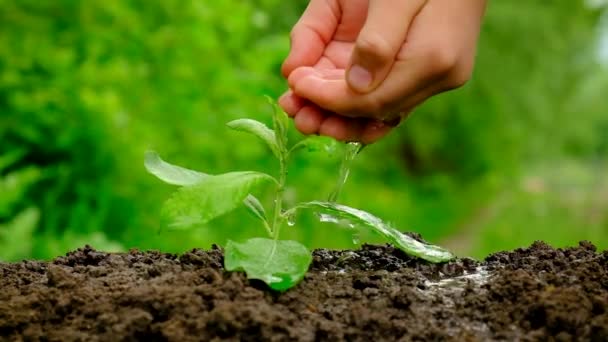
{"points": [[374, 294]]}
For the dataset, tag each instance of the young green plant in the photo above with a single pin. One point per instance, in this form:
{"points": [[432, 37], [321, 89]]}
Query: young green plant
{"points": [[279, 263]]}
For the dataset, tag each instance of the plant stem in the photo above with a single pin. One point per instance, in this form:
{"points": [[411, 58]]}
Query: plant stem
{"points": [[278, 201], [268, 229]]}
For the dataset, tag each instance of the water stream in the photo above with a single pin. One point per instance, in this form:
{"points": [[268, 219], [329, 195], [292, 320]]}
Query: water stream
{"points": [[361, 222], [352, 149]]}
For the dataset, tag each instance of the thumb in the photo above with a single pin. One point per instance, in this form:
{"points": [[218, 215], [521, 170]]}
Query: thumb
{"points": [[379, 41]]}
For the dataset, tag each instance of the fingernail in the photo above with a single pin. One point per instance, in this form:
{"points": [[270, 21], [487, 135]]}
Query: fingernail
{"points": [[359, 78]]}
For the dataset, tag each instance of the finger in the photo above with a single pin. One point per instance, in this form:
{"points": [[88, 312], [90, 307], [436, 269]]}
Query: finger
{"points": [[354, 128], [365, 131], [342, 128], [374, 131], [325, 63], [384, 32], [311, 34], [336, 127], [303, 72], [333, 93], [308, 120], [414, 70], [291, 103]]}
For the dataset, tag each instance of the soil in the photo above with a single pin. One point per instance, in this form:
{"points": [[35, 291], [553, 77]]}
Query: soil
{"points": [[376, 293]]}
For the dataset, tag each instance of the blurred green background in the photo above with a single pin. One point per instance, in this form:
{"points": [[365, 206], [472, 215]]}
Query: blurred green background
{"points": [[518, 154]]}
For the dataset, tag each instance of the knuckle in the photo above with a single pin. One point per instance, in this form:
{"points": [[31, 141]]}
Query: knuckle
{"points": [[447, 64], [459, 78], [374, 46], [441, 60], [460, 74]]}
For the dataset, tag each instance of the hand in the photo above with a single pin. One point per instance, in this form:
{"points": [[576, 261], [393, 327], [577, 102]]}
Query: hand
{"points": [[358, 67]]}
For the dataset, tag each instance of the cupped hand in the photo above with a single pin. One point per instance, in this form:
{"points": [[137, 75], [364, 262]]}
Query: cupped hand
{"points": [[358, 67]]}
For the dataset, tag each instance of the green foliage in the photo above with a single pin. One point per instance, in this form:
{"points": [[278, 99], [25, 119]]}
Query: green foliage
{"points": [[171, 174], [86, 86], [524, 90], [18, 220], [210, 198], [258, 129], [16, 235], [279, 263]]}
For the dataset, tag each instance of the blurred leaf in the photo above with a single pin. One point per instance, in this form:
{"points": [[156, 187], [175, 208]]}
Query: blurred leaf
{"points": [[279, 263], [213, 196], [14, 186], [16, 236], [259, 130], [11, 157], [317, 143], [169, 173]]}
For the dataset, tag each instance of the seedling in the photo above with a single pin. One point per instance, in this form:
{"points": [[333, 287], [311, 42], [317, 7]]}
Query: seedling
{"points": [[279, 263]]}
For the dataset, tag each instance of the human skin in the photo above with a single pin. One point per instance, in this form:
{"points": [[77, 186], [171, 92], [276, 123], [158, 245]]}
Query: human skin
{"points": [[357, 68]]}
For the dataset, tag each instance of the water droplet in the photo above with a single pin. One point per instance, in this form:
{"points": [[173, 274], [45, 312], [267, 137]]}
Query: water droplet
{"points": [[356, 239], [326, 218], [291, 220]]}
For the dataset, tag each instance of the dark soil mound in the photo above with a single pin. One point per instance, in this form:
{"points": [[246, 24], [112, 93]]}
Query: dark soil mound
{"points": [[374, 294]]}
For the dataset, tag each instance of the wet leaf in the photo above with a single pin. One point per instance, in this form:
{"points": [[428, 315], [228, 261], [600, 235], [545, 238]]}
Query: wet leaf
{"points": [[259, 130], [358, 217], [279, 263], [169, 173], [212, 197]]}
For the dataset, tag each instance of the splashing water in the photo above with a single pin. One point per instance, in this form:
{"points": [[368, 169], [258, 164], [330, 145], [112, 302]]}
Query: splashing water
{"points": [[326, 218], [352, 149], [358, 219]]}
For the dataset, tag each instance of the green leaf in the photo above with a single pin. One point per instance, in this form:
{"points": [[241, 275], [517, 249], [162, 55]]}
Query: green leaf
{"points": [[258, 129], [334, 212], [255, 207], [171, 174], [281, 123], [317, 143], [210, 198], [279, 263]]}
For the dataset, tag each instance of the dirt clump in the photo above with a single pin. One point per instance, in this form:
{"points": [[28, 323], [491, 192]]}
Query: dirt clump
{"points": [[377, 293]]}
